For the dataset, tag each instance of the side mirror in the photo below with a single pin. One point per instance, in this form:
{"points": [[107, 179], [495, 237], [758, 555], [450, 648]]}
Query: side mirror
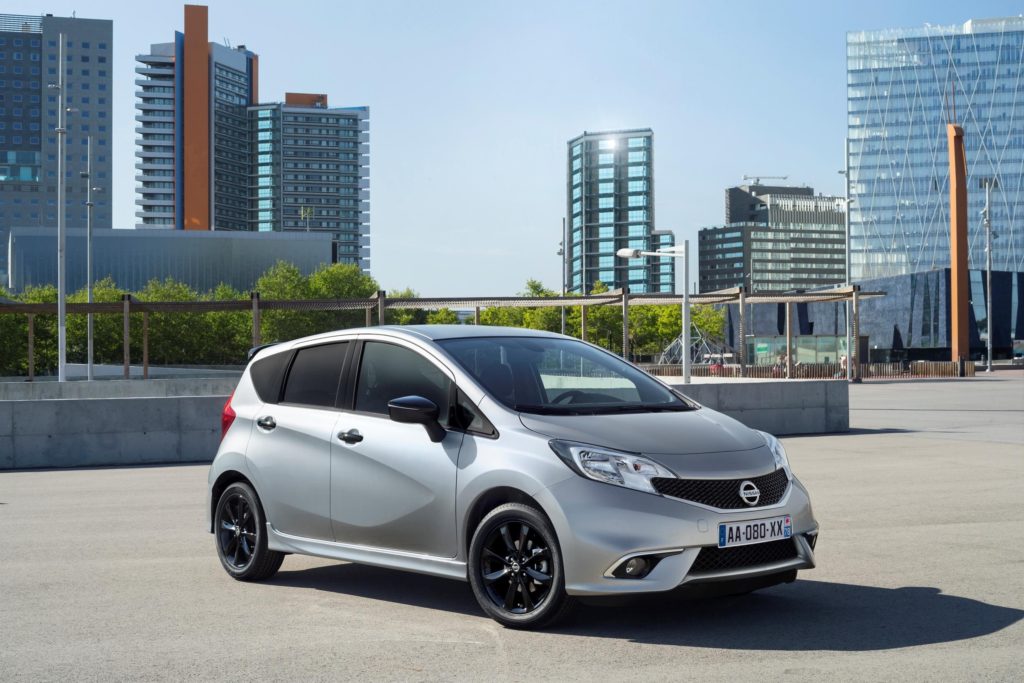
{"points": [[417, 410]]}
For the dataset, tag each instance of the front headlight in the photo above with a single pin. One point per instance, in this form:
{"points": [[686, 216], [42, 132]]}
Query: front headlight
{"points": [[611, 467], [778, 452]]}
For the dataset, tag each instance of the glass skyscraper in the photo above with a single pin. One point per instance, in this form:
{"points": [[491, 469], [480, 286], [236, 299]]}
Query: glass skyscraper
{"points": [[29, 54], [903, 87], [610, 205]]}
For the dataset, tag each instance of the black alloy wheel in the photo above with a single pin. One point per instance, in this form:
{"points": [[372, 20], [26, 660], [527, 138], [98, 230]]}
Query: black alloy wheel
{"points": [[237, 531], [240, 530], [516, 568]]}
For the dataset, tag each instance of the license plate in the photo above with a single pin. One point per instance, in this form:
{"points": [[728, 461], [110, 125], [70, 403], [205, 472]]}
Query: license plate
{"points": [[754, 531]]}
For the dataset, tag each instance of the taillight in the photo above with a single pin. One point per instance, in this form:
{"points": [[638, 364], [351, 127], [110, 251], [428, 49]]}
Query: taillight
{"points": [[227, 416]]}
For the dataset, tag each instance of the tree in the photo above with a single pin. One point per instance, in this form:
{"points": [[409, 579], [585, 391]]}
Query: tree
{"points": [[108, 337], [405, 316], [284, 281], [340, 281], [442, 316], [175, 337], [230, 332], [45, 328]]}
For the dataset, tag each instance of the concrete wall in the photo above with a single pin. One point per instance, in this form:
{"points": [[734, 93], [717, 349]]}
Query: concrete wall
{"points": [[784, 407], [79, 424], [109, 431], [122, 388]]}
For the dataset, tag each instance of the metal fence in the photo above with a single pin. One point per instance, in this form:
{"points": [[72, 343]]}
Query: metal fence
{"points": [[867, 371], [375, 310]]}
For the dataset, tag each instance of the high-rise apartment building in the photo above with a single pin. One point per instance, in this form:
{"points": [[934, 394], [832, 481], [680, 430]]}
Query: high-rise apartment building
{"points": [[312, 172], [29, 65], [904, 85], [610, 205], [193, 137], [785, 239], [212, 157]]}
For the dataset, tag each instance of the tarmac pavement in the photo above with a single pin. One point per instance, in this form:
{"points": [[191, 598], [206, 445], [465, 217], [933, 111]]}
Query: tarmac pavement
{"points": [[108, 574]]}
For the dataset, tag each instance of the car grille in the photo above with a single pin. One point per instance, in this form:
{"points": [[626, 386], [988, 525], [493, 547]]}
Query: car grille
{"points": [[724, 493], [721, 559]]}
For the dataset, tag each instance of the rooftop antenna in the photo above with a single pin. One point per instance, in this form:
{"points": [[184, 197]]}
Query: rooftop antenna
{"points": [[757, 178]]}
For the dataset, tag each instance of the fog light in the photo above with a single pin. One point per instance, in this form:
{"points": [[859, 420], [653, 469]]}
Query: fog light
{"points": [[636, 567]]}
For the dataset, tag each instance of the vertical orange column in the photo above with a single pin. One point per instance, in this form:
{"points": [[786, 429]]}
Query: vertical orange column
{"points": [[196, 116], [958, 286]]}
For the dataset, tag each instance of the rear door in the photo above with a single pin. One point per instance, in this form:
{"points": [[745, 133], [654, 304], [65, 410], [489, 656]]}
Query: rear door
{"points": [[290, 449], [394, 488]]}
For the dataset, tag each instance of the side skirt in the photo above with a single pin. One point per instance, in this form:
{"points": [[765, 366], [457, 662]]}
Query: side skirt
{"points": [[377, 557]]}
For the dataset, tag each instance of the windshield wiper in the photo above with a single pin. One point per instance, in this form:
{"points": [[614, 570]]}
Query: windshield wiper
{"points": [[641, 408], [545, 410]]}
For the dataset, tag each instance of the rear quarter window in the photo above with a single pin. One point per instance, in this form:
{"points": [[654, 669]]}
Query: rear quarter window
{"points": [[267, 373]]}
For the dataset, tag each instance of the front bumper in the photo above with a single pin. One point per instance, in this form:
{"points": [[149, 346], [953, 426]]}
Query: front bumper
{"points": [[599, 526]]}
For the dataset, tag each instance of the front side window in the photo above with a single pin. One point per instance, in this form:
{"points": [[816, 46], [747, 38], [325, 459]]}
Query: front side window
{"points": [[314, 375], [559, 377], [388, 372]]}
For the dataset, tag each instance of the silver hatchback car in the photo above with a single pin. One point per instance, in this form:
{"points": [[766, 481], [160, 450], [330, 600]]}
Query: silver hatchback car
{"points": [[538, 467]]}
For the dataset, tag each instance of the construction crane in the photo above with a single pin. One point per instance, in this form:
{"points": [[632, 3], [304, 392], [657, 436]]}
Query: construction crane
{"points": [[757, 178]]}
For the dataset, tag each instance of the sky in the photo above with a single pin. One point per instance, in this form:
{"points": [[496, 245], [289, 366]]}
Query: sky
{"points": [[471, 105]]}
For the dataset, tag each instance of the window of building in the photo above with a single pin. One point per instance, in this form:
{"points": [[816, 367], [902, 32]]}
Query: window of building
{"points": [[637, 172], [606, 202], [605, 173], [605, 159], [606, 144], [637, 142], [606, 217], [638, 200], [606, 188], [635, 157], [638, 186], [637, 215]]}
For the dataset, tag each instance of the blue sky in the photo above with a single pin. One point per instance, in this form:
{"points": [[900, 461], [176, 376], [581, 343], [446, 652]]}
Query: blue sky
{"points": [[472, 103]]}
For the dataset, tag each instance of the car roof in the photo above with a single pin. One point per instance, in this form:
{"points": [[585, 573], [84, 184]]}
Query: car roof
{"points": [[436, 332]]}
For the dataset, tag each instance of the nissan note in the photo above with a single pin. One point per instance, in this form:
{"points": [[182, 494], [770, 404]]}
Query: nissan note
{"points": [[537, 467]]}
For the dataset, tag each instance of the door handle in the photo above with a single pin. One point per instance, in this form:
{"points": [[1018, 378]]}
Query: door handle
{"points": [[351, 436], [266, 422]]}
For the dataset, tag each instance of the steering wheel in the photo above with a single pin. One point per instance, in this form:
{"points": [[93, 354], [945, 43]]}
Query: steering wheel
{"points": [[567, 396]]}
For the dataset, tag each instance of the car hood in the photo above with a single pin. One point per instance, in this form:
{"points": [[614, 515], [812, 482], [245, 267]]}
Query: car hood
{"points": [[693, 442]]}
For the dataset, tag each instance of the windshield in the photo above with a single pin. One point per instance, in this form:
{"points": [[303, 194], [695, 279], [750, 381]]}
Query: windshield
{"points": [[559, 376]]}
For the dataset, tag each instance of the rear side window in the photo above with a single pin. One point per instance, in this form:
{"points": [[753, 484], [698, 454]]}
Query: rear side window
{"points": [[267, 373], [315, 374]]}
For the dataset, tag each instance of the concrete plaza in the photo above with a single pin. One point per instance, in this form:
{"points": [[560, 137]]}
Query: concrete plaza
{"points": [[108, 574]]}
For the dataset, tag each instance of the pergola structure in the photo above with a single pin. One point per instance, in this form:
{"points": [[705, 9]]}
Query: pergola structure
{"points": [[381, 302]]}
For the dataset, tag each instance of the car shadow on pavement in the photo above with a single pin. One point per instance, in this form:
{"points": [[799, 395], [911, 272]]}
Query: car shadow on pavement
{"points": [[805, 615], [391, 585]]}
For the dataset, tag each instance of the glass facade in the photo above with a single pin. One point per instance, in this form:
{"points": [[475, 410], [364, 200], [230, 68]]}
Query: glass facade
{"points": [[609, 176], [902, 88]]}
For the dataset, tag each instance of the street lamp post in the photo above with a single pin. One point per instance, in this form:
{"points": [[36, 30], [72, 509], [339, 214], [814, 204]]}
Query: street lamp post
{"points": [[846, 220], [682, 252], [89, 203], [61, 132], [563, 251], [987, 220]]}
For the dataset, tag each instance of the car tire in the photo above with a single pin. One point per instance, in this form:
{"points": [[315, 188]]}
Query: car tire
{"points": [[240, 532], [515, 568]]}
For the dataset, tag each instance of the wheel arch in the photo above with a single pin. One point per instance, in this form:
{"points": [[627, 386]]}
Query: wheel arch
{"points": [[226, 479], [490, 499]]}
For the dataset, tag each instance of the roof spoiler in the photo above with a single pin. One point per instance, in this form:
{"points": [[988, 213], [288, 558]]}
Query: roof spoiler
{"points": [[256, 349]]}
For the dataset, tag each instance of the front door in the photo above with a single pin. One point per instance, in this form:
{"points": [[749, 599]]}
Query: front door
{"points": [[391, 486]]}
